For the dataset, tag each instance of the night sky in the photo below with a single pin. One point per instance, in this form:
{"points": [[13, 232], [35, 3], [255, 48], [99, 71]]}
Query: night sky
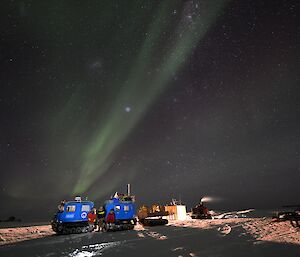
{"points": [[182, 99]]}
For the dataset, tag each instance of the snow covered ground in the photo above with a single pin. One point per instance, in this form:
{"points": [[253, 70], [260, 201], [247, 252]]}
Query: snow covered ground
{"points": [[228, 237]]}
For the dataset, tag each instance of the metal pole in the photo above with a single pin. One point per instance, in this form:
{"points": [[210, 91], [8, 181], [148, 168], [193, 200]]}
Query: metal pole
{"points": [[128, 189]]}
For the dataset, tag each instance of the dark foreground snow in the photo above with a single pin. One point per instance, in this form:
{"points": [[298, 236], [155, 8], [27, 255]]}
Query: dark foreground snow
{"points": [[154, 241]]}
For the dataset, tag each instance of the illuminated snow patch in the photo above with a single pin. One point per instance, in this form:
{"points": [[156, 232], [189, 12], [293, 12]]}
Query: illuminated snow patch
{"points": [[177, 249], [140, 234], [78, 253], [156, 235], [92, 250]]}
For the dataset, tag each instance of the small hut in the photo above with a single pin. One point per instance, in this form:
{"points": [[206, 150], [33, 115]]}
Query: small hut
{"points": [[177, 211]]}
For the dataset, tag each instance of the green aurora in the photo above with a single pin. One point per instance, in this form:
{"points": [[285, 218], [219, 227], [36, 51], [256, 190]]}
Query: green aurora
{"points": [[142, 89], [180, 98]]}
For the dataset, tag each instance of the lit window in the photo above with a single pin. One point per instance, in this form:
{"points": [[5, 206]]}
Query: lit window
{"points": [[117, 207], [85, 208], [71, 208]]}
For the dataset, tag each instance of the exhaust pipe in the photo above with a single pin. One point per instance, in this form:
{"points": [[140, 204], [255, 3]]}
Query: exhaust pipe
{"points": [[128, 189]]}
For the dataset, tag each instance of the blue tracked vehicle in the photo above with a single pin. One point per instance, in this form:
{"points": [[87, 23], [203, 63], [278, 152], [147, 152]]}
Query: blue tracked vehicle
{"points": [[72, 217], [124, 209]]}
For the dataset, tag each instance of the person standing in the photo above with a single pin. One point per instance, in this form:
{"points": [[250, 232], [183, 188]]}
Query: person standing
{"points": [[92, 218], [111, 217], [110, 220], [101, 218]]}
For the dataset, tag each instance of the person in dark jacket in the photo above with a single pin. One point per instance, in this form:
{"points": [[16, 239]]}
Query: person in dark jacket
{"points": [[101, 218]]}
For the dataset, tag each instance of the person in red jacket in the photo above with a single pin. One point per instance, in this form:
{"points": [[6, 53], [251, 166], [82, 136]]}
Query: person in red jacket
{"points": [[92, 217], [110, 220], [111, 217]]}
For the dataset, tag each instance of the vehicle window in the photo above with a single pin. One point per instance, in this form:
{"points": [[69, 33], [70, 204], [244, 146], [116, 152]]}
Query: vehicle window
{"points": [[71, 208], [85, 208], [126, 208], [117, 207]]}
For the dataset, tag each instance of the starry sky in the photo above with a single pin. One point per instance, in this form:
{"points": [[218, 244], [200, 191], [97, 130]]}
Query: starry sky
{"points": [[180, 98]]}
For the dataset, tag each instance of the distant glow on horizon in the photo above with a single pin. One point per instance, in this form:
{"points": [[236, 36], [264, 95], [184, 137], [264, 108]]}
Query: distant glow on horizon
{"points": [[210, 199]]}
